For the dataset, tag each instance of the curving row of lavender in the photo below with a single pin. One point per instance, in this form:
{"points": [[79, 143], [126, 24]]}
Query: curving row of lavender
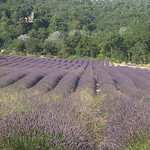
{"points": [[78, 104]]}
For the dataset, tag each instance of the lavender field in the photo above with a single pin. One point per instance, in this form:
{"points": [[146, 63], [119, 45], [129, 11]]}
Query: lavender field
{"points": [[72, 104]]}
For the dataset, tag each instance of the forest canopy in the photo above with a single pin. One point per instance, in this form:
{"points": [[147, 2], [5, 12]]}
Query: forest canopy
{"points": [[118, 30]]}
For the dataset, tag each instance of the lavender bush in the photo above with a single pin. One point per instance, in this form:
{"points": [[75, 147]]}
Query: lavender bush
{"points": [[87, 80], [29, 80], [11, 78], [130, 119], [68, 83], [140, 81], [49, 81]]}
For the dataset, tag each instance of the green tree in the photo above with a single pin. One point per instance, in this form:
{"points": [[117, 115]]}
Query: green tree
{"points": [[4, 22], [32, 46], [72, 41], [22, 27], [86, 47], [40, 22], [49, 48], [20, 46], [57, 24], [15, 16]]}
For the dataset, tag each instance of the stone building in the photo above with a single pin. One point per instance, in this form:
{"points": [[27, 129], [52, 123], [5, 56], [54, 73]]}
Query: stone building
{"points": [[30, 18]]}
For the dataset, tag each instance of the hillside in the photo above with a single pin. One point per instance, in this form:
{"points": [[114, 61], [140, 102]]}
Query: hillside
{"points": [[118, 30]]}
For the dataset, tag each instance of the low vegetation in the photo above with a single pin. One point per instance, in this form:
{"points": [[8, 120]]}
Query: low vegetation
{"points": [[72, 104]]}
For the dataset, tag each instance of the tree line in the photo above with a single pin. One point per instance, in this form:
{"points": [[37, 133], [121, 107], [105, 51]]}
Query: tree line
{"points": [[118, 30]]}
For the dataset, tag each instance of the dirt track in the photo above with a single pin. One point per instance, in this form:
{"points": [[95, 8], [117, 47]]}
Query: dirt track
{"points": [[130, 65]]}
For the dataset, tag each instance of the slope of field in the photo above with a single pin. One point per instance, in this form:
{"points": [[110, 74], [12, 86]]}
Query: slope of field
{"points": [[73, 104]]}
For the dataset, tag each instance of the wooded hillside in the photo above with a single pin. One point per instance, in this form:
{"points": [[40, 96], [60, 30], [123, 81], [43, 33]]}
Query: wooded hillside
{"points": [[118, 30]]}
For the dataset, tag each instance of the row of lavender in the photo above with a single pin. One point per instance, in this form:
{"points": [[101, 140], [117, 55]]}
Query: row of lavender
{"points": [[35, 63], [133, 82], [34, 71]]}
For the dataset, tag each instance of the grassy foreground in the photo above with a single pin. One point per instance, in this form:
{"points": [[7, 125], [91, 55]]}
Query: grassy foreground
{"points": [[80, 121]]}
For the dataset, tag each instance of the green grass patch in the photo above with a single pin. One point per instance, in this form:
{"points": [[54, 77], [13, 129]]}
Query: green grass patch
{"points": [[140, 143], [33, 141]]}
